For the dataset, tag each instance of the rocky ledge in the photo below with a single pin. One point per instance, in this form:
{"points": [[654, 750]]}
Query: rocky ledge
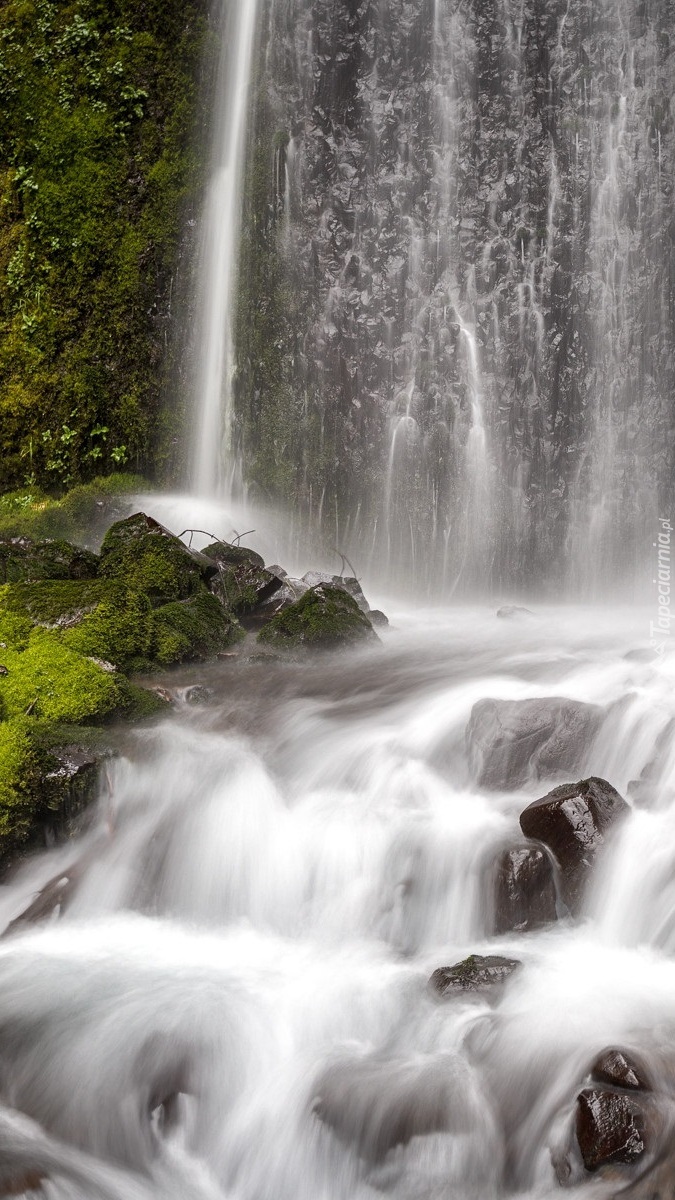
{"points": [[78, 629]]}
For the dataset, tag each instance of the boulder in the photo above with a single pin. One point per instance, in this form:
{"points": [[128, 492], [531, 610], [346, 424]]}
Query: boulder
{"points": [[147, 558], [573, 821], [325, 618], [18, 1183], [619, 1069], [512, 741], [198, 694], [242, 581], [474, 974], [610, 1128], [510, 611], [524, 890], [24, 560], [194, 628], [377, 1105], [378, 618]]}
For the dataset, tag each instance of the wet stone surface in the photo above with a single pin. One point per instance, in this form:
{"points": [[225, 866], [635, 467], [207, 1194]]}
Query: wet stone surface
{"points": [[474, 974], [610, 1127]]}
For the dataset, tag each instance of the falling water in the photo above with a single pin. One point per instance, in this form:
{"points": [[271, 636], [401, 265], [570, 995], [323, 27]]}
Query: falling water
{"points": [[230, 999], [213, 466], [502, 168]]}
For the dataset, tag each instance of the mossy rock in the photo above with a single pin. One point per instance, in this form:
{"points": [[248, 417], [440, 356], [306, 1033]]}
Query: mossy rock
{"points": [[23, 558], [51, 681], [99, 618], [191, 629], [144, 556], [21, 769], [49, 773], [325, 618], [242, 582]]}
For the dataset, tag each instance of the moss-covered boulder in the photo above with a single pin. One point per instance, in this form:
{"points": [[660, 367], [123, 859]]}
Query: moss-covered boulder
{"points": [[23, 558], [48, 679], [49, 774], [325, 618], [198, 627], [242, 581], [99, 618], [147, 558]]}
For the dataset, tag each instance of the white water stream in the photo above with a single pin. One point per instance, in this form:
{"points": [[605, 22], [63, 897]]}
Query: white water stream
{"points": [[211, 385], [264, 890]]}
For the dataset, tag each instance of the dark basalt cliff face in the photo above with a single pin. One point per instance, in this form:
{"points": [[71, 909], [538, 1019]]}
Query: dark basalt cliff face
{"points": [[456, 332]]}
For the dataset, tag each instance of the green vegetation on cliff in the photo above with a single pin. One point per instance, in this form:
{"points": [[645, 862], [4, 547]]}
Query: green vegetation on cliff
{"points": [[97, 104]]}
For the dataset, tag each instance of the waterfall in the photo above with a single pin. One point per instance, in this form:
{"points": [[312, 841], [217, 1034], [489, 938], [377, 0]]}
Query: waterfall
{"points": [[213, 465], [473, 203]]}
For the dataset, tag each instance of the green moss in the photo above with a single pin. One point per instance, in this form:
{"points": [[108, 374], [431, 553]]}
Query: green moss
{"points": [[75, 515], [97, 172], [324, 618], [149, 561], [49, 680], [20, 772], [24, 558], [196, 628], [141, 704]]}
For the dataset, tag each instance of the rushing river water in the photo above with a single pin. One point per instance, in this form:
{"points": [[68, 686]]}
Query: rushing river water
{"points": [[263, 891]]}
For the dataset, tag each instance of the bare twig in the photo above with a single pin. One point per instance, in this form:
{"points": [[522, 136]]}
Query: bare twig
{"points": [[204, 531], [345, 560], [239, 536]]}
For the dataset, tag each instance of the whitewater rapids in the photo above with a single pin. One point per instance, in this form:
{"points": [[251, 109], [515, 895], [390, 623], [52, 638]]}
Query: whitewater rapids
{"points": [[263, 891]]}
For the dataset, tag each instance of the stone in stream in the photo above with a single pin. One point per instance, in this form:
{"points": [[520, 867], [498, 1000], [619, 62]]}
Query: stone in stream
{"points": [[610, 1128], [619, 1069], [524, 889], [573, 821], [325, 618], [376, 1105], [511, 611], [512, 741], [474, 974], [20, 1183]]}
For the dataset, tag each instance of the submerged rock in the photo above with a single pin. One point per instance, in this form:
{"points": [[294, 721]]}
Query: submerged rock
{"points": [[619, 1069], [377, 1105], [474, 974], [325, 618], [509, 611], [610, 1128], [512, 741], [525, 891], [573, 821]]}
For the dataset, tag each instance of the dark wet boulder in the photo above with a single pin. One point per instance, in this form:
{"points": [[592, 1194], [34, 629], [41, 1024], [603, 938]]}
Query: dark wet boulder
{"points": [[524, 889], [198, 694], [619, 1069], [509, 612], [610, 1127], [512, 741], [573, 821], [24, 560], [325, 618], [376, 1105], [474, 974], [242, 580], [147, 558]]}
